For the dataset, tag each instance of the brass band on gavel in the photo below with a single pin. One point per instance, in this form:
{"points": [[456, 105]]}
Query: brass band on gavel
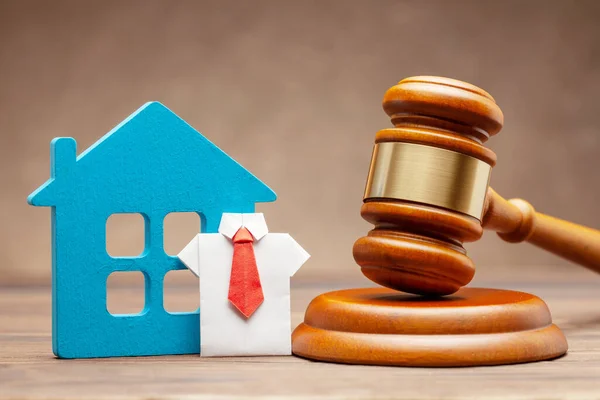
{"points": [[429, 175]]}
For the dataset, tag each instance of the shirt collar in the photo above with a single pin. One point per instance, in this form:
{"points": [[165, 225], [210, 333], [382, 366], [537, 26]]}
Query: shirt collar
{"points": [[255, 223]]}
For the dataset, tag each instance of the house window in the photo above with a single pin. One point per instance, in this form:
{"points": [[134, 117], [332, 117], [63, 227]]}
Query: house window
{"points": [[125, 293], [180, 292], [179, 229], [125, 235]]}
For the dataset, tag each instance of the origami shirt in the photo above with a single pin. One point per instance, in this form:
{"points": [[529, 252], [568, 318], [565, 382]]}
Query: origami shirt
{"points": [[224, 330]]}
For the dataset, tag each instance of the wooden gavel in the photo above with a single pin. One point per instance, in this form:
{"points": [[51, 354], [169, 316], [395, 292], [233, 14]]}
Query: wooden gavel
{"points": [[427, 192]]}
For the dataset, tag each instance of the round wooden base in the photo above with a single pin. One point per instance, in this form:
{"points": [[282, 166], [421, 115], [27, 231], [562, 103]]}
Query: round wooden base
{"points": [[474, 326]]}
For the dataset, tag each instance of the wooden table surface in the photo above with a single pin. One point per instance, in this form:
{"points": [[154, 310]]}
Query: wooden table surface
{"points": [[29, 370]]}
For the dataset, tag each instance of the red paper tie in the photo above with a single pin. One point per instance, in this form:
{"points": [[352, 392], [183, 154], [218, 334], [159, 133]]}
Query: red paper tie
{"points": [[245, 290]]}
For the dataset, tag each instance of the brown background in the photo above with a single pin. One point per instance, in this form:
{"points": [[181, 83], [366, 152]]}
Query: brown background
{"points": [[292, 90]]}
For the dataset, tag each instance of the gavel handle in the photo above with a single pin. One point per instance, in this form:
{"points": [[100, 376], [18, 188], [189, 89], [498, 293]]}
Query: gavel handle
{"points": [[516, 221]]}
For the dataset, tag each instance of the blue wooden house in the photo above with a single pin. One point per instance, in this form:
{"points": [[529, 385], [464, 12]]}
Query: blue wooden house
{"points": [[153, 163]]}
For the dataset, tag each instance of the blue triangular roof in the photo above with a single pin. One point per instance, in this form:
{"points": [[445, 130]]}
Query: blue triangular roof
{"points": [[150, 154]]}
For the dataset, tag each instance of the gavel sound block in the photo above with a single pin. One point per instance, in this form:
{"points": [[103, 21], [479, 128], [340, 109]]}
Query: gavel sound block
{"points": [[427, 193]]}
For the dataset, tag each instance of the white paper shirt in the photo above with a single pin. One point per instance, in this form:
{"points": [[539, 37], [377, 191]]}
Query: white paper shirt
{"points": [[224, 331]]}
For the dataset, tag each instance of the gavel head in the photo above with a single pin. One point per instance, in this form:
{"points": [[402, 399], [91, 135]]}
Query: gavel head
{"points": [[427, 184]]}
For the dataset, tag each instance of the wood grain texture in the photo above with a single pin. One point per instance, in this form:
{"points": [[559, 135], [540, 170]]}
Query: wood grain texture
{"points": [[416, 248], [516, 221], [416, 245], [29, 371], [472, 327]]}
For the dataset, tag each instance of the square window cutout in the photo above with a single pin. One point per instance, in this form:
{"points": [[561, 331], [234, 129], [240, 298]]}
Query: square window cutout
{"points": [[126, 293], [125, 235], [181, 292], [179, 229]]}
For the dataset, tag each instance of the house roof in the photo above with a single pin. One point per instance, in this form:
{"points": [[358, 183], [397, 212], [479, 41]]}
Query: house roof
{"points": [[151, 156]]}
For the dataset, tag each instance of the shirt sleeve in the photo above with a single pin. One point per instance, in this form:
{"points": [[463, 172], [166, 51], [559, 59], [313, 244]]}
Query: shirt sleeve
{"points": [[297, 255], [189, 255]]}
